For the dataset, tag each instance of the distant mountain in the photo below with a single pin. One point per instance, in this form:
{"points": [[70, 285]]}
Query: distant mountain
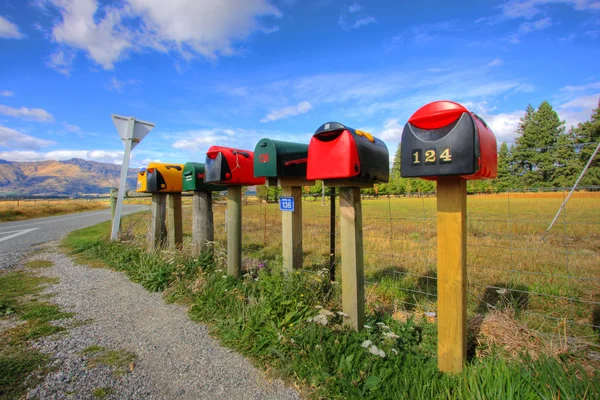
{"points": [[74, 177]]}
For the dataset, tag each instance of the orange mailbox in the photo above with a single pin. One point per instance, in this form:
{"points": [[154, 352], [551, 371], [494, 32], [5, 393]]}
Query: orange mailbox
{"points": [[443, 138], [339, 152], [232, 167]]}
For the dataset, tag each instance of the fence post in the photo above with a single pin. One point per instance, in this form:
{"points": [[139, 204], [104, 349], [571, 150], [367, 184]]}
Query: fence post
{"points": [[203, 230], [234, 231], [291, 230], [332, 233], [452, 273], [353, 278], [174, 221], [113, 203], [158, 229]]}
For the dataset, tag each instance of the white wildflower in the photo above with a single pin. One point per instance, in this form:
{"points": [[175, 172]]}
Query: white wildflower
{"points": [[502, 292], [256, 279], [367, 326], [366, 344], [394, 351], [377, 352], [327, 312], [318, 347], [342, 314], [318, 307], [224, 276], [429, 314], [391, 335]]}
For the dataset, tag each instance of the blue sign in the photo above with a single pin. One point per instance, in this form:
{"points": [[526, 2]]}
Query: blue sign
{"points": [[286, 203]]}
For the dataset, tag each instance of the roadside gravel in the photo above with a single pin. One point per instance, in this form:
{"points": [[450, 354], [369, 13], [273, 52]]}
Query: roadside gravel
{"points": [[176, 358]]}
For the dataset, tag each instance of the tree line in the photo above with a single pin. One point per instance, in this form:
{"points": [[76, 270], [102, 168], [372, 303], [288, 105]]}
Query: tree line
{"points": [[545, 155]]}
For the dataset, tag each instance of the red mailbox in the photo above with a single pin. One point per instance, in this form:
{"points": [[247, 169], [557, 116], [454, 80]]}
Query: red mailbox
{"points": [[232, 167], [339, 152], [443, 138]]}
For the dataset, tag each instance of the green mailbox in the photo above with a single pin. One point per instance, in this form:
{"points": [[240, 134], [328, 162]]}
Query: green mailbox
{"points": [[274, 158], [193, 179]]}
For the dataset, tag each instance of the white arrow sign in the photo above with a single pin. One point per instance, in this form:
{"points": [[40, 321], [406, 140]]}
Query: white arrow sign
{"points": [[140, 129], [131, 132]]}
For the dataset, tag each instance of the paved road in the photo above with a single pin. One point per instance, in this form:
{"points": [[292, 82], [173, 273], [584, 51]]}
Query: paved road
{"points": [[17, 238]]}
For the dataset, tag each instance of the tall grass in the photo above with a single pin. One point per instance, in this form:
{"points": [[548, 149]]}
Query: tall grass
{"points": [[291, 325], [22, 210]]}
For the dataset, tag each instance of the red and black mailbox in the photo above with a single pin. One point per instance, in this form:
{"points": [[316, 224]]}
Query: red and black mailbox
{"points": [[443, 138], [232, 167], [339, 152]]}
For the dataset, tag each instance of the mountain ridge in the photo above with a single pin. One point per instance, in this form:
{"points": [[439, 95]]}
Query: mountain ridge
{"points": [[73, 177]]}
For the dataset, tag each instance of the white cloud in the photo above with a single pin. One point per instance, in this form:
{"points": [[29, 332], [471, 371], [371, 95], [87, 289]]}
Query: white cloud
{"points": [[201, 140], [392, 130], [11, 138], [300, 108], [60, 61], [495, 63], [7, 93], [504, 125], [354, 8], [582, 88], [70, 127], [108, 33], [112, 157], [8, 30], [530, 8], [118, 86], [364, 21], [578, 109], [35, 114], [540, 24]]}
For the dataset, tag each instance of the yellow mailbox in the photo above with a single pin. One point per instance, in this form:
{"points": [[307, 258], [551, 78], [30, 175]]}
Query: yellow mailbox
{"points": [[163, 178], [141, 182]]}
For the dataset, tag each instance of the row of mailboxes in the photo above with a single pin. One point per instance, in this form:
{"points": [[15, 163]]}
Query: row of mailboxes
{"points": [[441, 139]]}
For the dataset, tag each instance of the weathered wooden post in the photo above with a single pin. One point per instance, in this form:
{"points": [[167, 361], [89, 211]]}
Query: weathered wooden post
{"points": [[164, 182], [203, 231], [284, 164], [175, 222], [349, 159], [234, 169], [446, 142], [158, 228]]}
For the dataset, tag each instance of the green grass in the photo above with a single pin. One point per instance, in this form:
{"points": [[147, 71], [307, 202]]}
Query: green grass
{"points": [[93, 349], [21, 299], [266, 316], [119, 360], [39, 264], [102, 392]]}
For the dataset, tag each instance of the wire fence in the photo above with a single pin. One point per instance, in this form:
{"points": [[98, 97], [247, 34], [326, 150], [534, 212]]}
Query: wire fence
{"points": [[552, 282]]}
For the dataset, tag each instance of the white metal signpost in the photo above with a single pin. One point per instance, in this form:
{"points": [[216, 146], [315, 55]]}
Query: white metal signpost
{"points": [[132, 132]]}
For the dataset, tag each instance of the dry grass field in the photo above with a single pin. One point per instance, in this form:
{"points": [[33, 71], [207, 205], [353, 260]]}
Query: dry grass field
{"points": [[552, 282], [17, 210]]}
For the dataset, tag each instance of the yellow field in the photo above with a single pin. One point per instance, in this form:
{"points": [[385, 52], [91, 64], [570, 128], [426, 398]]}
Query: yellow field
{"points": [[553, 283], [17, 210]]}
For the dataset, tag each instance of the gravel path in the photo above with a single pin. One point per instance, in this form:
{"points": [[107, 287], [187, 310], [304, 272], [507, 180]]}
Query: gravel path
{"points": [[176, 358]]}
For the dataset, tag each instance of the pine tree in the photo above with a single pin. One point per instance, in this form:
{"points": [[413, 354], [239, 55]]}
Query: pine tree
{"points": [[566, 161], [534, 152], [505, 173], [589, 132]]}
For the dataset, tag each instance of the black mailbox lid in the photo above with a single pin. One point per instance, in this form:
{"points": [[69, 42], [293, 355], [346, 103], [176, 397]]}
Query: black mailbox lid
{"points": [[193, 179]]}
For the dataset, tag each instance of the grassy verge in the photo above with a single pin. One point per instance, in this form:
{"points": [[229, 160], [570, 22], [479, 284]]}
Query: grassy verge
{"points": [[290, 325], [26, 317], [10, 211]]}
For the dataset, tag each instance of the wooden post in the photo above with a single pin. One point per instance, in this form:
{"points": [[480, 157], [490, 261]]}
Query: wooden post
{"points": [[291, 230], [158, 229], [175, 222], [452, 273], [234, 231], [353, 278], [203, 230]]}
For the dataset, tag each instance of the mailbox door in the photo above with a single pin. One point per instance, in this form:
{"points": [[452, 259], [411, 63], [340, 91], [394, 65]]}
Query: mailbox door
{"points": [[230, 166], [193, 179], [141, 182], [274, 158], [339, 152]]}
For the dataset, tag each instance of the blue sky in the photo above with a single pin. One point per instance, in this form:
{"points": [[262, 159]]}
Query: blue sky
{"points": [[229, 72]]}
